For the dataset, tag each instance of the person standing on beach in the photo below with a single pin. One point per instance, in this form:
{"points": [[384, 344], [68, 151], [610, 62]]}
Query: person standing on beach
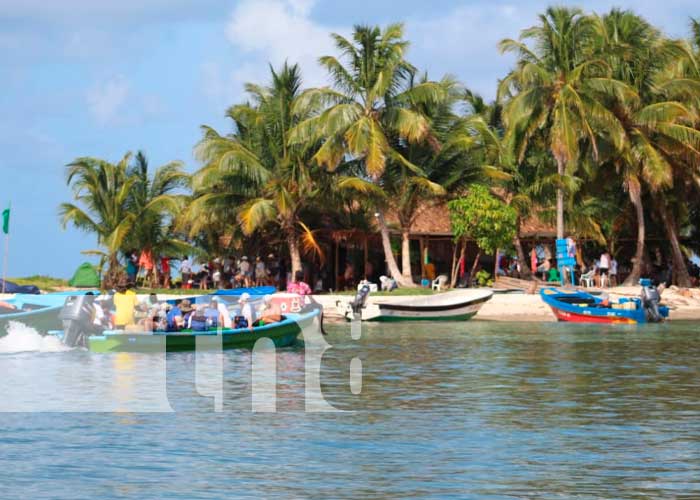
{"points": [[604, 267], [260, 272], [185, 271]]}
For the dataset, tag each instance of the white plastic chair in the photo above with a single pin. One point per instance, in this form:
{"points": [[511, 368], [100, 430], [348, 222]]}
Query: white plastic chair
{"points": [[439, 282], [587, 279]]}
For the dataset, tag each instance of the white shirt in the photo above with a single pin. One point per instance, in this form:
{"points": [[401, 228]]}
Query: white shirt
{"points": [[613, 267], [223, 310], [186, 266], [248, 310], [605, 261], [245, 266]]}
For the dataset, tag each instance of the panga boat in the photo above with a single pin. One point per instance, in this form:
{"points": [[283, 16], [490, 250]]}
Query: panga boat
{"points": [[450, 306], [581, 307], [283, 333], [37, 311]]}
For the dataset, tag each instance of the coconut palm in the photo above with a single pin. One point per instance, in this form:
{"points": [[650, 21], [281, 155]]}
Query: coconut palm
{"points": [[371, 107], [156, 201], [655, 125], [550, 92], [256, 168], [102, 190]]}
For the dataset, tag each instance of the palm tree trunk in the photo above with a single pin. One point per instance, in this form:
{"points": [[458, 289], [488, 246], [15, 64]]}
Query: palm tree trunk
{"points": [[680, 271], [560, 201], [524, 263], [406, 255], [635, 193], [388, 254], [294, 255]]}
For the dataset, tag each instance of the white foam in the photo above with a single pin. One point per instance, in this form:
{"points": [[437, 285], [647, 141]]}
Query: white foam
{"points": [[22, 338]]}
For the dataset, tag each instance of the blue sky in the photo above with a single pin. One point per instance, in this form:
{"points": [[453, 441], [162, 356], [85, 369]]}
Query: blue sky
{"points": [[99, 78]]}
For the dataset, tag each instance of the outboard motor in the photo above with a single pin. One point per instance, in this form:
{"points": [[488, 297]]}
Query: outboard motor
{"points": [[651, 299], [360, 300], [77, 316]]}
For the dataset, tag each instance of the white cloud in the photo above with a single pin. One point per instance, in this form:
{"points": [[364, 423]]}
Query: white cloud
{"points": [[106, 100], [276, 31]]}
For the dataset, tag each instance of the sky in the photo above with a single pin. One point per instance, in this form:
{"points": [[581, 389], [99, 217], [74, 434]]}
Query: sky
{"points": [[100, 78]]}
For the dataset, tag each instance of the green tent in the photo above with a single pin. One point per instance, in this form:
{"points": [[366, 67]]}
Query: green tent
{"points": [[85, 277]]}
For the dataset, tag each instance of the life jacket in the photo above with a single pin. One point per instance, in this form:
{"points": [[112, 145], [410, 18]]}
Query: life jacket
{"points": [[199, 323]]}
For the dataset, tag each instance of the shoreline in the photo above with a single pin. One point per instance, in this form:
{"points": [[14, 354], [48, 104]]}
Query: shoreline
{"points": [[519, 307]]}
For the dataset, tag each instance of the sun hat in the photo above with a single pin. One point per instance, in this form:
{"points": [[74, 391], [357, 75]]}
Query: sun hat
{"points": [[267, 299], [244, 258], [245, 297]]}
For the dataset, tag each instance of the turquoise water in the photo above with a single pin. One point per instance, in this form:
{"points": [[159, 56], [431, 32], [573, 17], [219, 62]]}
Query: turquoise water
{"points": [[470, 410]]}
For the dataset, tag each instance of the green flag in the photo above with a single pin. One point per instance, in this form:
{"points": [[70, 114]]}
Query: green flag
{"points": [[6, 221]]}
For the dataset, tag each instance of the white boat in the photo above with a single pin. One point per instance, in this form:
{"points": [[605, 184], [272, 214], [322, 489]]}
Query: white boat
{"points": [[458, 305]]}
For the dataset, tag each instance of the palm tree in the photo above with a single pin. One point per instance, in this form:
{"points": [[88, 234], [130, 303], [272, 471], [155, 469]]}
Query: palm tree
{"points": [[550, 91], [102, 190], [451, 157], [371, 107], [156, 202], [655, 125], [257, 167]]}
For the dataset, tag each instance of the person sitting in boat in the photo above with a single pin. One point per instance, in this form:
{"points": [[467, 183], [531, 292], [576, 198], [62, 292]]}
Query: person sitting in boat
{"points": [[224, 313], [187, 311], [270, 311], [174, 318], [125, 301], [298, 286], [198, 319], [246, 319]]}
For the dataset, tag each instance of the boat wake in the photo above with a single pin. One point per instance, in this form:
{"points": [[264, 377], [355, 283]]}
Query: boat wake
{"points": [[22, 338]]}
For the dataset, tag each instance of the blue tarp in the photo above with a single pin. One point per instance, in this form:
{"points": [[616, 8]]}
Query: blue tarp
{"points": [[259, 290], [15, 288]]}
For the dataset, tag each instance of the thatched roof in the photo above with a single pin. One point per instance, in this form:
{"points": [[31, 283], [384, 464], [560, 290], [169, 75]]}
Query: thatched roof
{"points": [[434, 220]]}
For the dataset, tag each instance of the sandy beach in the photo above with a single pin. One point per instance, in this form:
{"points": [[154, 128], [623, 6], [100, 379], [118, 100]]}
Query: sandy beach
{"points": [[684, 304]]}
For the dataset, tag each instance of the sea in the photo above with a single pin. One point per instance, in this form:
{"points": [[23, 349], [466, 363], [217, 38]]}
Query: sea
{"points": [[474, 409]]}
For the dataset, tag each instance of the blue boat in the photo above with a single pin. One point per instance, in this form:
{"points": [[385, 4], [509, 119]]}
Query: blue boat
{"points": [[37, 311], [577, 306]]}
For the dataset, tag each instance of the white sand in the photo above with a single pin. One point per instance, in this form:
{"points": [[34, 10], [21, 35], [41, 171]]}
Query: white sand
{"points": [[684, 304]]}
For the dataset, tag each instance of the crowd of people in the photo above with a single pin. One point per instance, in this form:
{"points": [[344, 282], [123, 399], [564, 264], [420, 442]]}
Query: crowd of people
{"points": [[125, 310], [218, 273]]}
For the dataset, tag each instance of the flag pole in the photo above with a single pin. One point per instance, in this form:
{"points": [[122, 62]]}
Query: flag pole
{"points": [[6, 230], [4, 261]]}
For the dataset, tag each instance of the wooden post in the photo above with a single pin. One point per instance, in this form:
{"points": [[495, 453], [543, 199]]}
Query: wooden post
{"points": [[364, 265], [335, 270], [422, 256]]}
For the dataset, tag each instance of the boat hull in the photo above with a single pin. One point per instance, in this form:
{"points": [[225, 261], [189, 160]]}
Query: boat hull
{"points": [[282, 334], [580, 307], [462, 309]]}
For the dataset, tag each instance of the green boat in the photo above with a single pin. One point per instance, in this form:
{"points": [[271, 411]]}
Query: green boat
{"points": [[283, 333]]}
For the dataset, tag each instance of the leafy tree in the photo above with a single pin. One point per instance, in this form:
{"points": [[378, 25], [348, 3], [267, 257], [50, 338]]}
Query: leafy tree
{"points": [[102, 190], [372, 106], [257, 168], [484, 218], [156, 201], [551, 91]]}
